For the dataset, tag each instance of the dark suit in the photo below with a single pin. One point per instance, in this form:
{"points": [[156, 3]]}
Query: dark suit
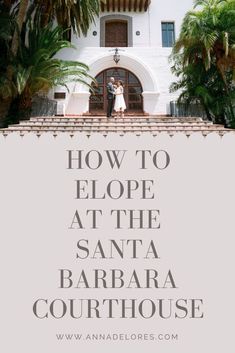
{"points": [[111, 98]]}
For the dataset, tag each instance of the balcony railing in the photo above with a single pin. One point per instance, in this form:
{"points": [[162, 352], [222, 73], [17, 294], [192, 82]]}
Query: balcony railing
{"points": [[42, 106], [187, 110], [125, 5]]}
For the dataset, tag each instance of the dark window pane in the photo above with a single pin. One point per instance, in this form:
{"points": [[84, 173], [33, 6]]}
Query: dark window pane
{"points": [[134, 106], [121, 74], [118, 74], [100, 78], [99, 90], [171, 39], [97, 106], [109, 73], [134, 89], [132, 78], [164, 39], [96, 99], [134, 98], [168, 34]]}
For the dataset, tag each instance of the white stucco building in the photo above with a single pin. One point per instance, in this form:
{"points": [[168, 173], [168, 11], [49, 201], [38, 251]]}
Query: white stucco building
{"points": [[144, 32]]}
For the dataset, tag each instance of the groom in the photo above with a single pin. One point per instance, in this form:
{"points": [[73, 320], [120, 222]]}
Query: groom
{"points": [[110, 96]]}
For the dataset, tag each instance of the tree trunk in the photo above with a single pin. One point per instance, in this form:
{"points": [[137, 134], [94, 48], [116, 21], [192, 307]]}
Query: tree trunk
{"points": [[25, 105], [4, 108], [208, 114], [8, 4], [20, 20], [14, 49], [230, 106], [46, 13]]}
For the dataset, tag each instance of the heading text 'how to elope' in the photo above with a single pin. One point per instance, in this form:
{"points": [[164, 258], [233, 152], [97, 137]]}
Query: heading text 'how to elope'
{"points": [[136, 250]]}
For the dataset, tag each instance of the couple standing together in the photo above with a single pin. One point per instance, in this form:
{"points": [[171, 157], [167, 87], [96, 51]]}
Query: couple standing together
{"points": [[115, 98]]}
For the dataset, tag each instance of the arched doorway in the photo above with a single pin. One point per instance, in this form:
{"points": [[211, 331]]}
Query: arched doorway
{"points": [[132, 91]]}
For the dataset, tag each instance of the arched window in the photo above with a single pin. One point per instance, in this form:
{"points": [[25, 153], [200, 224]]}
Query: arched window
{"points": [[116, 31]]}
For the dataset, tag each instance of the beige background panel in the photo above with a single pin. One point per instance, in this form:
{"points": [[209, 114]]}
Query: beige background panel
{"points": [[195, 195]]}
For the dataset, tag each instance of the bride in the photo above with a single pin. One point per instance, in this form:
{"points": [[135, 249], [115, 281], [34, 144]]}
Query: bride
{"points": [[120, 104]]}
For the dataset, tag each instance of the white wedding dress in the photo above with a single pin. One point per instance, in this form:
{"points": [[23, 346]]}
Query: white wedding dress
{"points": [[119, 100]]}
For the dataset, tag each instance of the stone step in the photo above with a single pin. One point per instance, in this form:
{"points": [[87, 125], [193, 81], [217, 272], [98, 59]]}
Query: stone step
{"points": [[137, 125], [108, 121], [115, 120], [115, 116], [115, 129], [55, 125], [107, 125]]}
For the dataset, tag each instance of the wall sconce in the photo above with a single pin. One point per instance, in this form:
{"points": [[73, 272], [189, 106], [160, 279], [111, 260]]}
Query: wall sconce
{"points": [[116, 57]]}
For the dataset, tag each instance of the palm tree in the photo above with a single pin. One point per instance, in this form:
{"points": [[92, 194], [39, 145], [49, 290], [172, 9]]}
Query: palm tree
{"points": [[7, 86], [75, 14], [200, 86], [207, 36], [211, 31], [38, 70], [7, 25]]}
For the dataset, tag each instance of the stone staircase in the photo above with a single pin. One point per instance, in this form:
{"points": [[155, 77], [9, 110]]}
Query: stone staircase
{"points": [[103, 125]]}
